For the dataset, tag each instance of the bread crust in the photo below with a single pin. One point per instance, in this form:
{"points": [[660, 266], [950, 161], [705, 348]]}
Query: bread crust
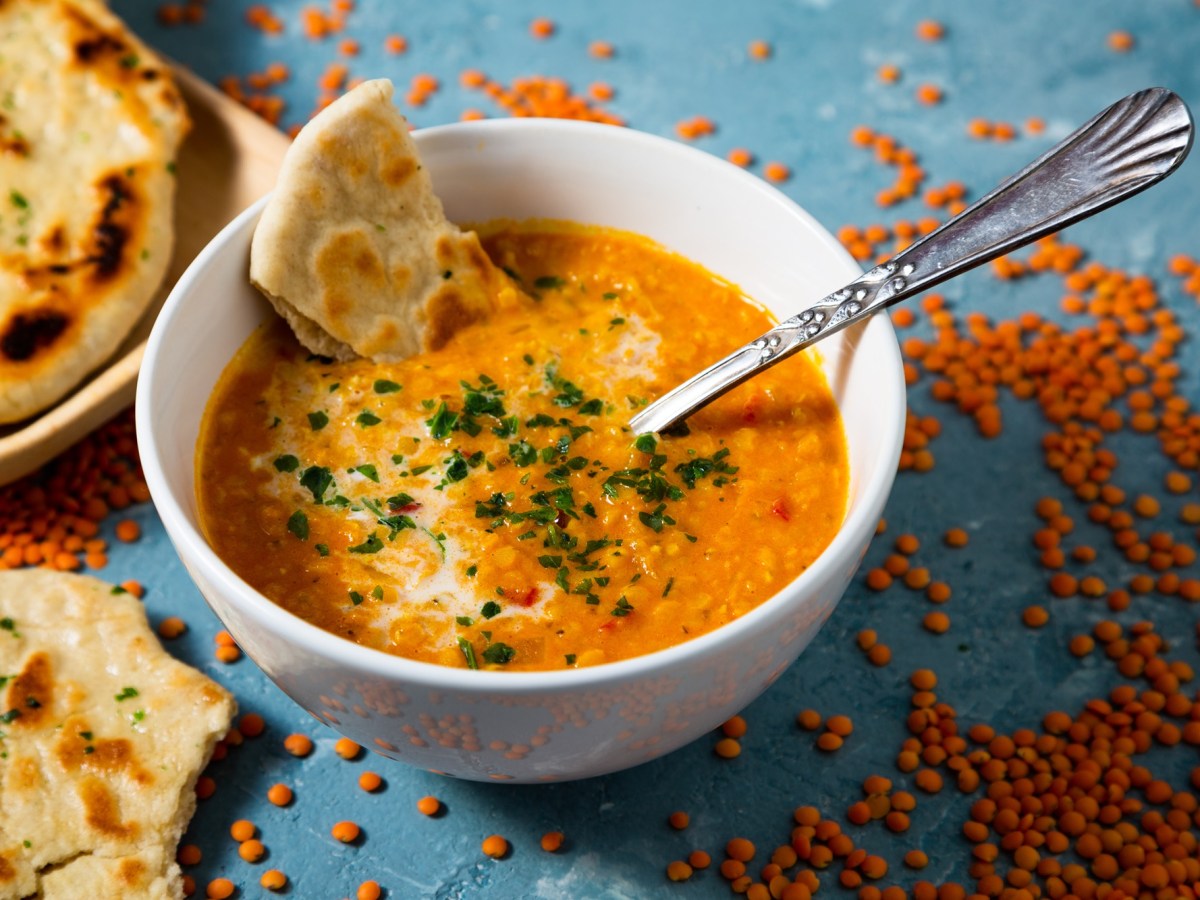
{"points": [[104, 737], [354, 248], [89, 127]]}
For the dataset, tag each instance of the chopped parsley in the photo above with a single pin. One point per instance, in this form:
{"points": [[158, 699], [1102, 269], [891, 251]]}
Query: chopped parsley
{"points": [[287, 463], [297, 524], [126, 693], [469, 652], [570, 658], [490, 610], [371, 545], [11, 716], [383, 386], [366, 419], [18, 199], [623, 608], [356, 598], [549, 283], [322, 549], [499, 654], [317, 420], [367, 471], [318, 480]]}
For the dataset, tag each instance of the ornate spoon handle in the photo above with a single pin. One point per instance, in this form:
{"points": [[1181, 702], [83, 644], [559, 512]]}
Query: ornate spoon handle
{"points": [[1126, 148]]}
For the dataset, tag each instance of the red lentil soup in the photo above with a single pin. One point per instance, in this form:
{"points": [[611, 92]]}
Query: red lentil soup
{"points": [[486, 505]]}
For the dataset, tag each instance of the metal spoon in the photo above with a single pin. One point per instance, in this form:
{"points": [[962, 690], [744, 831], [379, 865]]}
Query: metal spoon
{"points": [[1133, 144]]}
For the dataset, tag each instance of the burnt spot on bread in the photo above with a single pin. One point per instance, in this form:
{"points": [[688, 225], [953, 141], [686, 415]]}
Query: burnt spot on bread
{"points": [[110, 234], [31, 692], [446, 314], [346, 264], [12, 142], [98, 44], [78, 749], [7, 871], [101, 812], [131, 872], [28, 333], [54, 242], [398, 170]]}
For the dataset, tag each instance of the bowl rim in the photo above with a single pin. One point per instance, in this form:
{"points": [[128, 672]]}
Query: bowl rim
{"points": [[338, 651]]}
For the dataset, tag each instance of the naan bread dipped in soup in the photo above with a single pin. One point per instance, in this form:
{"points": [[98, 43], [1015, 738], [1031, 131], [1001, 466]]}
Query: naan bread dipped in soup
{"points": [[104, 735], [354, 249], [90, 122]]}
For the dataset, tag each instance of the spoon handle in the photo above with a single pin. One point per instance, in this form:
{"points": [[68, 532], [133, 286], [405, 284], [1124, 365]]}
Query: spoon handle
{"points": [[1133, 144]]}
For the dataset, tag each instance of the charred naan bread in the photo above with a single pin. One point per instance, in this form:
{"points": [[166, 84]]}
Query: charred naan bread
{"points": [[89, 125], [354, 249], [104, 735]]}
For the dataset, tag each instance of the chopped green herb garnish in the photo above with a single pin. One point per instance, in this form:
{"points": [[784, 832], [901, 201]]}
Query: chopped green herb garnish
{"points": [[318, 420], [356, 598], [469, 652], [657, 519], [371, 545], [549, 282], [471, 570], [377, 592], [490, 610], [420, 470], [11, 716], [18, 199], [317, 479], [367, 471], [670, 584], [297, 524], [623, 608], [322, 549], [465, 621], [383, 386], [500, 654], [570, 657], [126, 693], [287, 463], [366, 419]]}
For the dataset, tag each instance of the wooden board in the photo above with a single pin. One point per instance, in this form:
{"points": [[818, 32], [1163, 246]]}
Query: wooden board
{"points": [[228, 161]]}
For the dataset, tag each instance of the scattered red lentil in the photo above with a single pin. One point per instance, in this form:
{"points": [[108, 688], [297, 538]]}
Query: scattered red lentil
{"points": [[369, 890], [346, 748], [776, 172], [429, 806], [171, 628], [495, 846], [219, 889], [370, 781], [541, 28], [298, 744], [678, 870], [759, 50], [345, 831], [242, 830], [930, 30], [273, 880], [552, 841], [279, 794], [252, 851], [728, 748], [678, 820]]}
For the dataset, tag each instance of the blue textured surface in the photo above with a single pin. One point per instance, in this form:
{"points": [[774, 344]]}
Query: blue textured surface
{"points": [[675, 60]]}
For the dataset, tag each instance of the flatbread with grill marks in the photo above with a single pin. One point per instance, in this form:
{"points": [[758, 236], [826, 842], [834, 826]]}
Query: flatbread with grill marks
{"points": [[104, 735], [90, 122], [354, 250]]}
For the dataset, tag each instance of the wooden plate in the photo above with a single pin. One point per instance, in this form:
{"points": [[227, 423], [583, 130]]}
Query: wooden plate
{"points": [[228, 161]]}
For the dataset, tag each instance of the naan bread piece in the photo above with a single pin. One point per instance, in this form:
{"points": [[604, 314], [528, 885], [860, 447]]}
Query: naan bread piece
{"points": [[89, 125], [354, 249], [104, 735]]}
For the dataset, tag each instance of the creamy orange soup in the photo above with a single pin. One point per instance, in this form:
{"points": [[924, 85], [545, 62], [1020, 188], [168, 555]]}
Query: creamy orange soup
{"points": [[487, 506]]}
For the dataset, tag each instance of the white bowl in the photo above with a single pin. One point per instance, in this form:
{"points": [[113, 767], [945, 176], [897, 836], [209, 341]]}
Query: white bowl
{"points": [[541, 726]]}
